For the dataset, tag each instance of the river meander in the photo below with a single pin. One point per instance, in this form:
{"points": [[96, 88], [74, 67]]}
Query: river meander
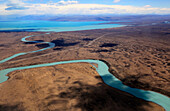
{"points": [[102, 70]]}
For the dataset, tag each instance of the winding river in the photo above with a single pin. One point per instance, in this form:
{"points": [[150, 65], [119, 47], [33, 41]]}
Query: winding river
{"points": [[102, 70]]}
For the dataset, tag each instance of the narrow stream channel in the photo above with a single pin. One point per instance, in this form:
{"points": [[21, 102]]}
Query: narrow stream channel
{"points": [[102, 70]]}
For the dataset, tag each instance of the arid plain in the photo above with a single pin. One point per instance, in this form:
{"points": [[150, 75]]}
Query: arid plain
{"points": [[138, 55]]}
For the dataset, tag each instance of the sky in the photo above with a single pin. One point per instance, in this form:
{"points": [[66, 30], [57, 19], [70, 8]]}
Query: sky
{"points": [[83, 7]]}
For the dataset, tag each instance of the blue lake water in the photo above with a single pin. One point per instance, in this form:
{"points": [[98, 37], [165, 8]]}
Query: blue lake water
{"points": [[56, 26], [102, 68]]}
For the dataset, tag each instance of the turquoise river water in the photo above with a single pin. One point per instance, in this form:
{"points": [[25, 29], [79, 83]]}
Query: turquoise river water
{"points": [[102, 68]]}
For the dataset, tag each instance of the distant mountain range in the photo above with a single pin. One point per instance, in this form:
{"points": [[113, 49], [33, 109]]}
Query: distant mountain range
{"points": [[84, 17]]}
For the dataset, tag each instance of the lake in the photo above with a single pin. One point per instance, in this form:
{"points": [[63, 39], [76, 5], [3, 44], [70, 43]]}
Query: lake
{"points": [[102, 69], [53, 26]]}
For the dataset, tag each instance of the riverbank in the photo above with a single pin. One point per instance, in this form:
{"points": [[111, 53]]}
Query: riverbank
{"points": [[138, 56], [75, 86], [77, 49]]}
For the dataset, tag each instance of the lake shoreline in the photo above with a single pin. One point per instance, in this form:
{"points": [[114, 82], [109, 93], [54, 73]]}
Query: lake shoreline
{"points": [[100, 45]]}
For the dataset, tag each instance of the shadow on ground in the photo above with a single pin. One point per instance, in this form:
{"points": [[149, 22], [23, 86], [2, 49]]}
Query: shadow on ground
{"points": [[33, 42], [57, 48], [108, 45], [88, 39], [16, 107], [57, 42], [61, 42], [42, 45], [100, 98]]}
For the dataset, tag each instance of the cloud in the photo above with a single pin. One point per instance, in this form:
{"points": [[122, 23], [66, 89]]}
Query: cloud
{"points": [[15, 5], [70, 7], [102, 8], [147, 6], [62, 2], [116, 1]]}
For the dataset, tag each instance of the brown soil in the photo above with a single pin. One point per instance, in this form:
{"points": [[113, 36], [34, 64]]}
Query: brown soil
{"points": [[71, 87], [10, 43], [139, 56]]}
